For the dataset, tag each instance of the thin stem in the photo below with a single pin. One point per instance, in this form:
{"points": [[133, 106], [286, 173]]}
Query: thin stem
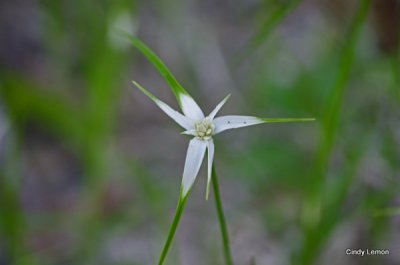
{"points": [[221, 219], [172, 229]]}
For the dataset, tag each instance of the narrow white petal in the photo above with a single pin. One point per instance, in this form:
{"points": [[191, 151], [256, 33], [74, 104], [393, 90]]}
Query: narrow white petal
{"points": [[194, 157], [234, 121], [189, 132], [183, 121], [218, 107], [190, 107], [210, 152]]}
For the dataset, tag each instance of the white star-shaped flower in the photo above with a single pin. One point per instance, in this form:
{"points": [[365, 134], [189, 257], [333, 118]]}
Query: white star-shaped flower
{"points": [[203, 128]]}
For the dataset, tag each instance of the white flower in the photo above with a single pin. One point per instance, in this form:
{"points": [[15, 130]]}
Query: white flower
{"points": [[203, 128]]}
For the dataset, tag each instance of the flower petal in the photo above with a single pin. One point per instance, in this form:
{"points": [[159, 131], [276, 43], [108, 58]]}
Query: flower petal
{"points": [[183, 121], [194, 157], [189, 132], [210, 152], [190, 107], [218, 107], [234, 121]]}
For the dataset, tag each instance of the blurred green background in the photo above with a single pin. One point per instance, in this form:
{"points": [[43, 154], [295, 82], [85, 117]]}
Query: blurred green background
{"points": [[91, 169]]}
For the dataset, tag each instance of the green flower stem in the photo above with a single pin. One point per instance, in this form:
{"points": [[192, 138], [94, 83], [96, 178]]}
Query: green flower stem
{"points": [[172, 229], [221, 219]]}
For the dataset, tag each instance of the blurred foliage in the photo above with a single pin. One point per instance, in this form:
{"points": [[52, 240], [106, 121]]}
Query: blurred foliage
{"points": [[87, 174]]}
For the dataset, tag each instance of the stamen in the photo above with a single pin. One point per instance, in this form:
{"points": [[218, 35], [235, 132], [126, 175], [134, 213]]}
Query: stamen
{"points": [[204, 129]]}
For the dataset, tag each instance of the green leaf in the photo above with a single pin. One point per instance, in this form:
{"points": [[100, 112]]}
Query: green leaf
{"points": [[391, 211], [176, 88], [266, 28], [286, 119]]}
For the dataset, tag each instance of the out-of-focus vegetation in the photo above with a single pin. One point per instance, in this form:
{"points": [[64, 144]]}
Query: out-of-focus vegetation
{"points": [[90, 170]]}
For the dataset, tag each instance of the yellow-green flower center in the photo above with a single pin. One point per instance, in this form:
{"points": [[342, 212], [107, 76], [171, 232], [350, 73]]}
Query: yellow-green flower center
{"points": [[204, 129]]}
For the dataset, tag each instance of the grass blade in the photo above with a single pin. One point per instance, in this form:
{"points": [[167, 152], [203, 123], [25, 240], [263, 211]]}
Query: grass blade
{"points": [[316, 230], [286, 119], [176, 88], [265, 29]]}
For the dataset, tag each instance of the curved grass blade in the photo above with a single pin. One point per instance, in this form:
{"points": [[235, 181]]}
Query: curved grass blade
{"points": [[176, 88], [390, 211], [315, 227], [265, 29]]}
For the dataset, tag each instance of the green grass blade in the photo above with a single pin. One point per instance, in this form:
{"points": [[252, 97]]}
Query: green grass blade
{"points": [[266, 28], [315, 229], [391, 211], [176, 88], [286, 119], [145, 91]]}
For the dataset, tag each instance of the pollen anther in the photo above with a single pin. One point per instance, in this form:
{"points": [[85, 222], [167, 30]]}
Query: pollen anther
{"points": [[204, 129]]}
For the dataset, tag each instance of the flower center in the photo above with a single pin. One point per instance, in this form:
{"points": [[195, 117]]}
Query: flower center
{"points": [[204, 129]]}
